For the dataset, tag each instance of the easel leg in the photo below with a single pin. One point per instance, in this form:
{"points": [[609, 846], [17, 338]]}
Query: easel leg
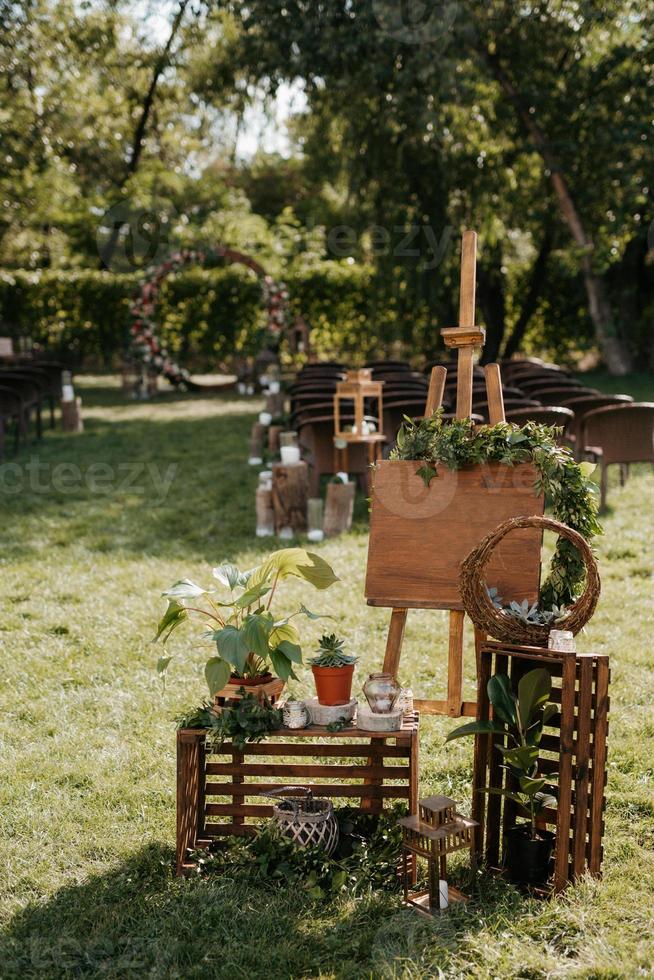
{"points": [[394, 641], [455, 664]]}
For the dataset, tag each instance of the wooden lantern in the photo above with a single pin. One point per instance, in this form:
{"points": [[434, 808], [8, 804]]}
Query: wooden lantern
{"points": [[355, 389], [434, 832]]}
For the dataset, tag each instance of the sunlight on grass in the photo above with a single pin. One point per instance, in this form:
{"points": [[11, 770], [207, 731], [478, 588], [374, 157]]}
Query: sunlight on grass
{"points": [[87, 740]]}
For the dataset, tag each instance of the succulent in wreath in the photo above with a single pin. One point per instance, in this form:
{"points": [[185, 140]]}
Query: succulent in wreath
{"points": [[331, 653]]}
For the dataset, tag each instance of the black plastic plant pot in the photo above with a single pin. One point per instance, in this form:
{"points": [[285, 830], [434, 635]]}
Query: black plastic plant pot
{"points": [[527, 860]]}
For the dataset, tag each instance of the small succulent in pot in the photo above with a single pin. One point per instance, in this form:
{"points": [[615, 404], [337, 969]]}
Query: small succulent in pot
{"points": [[518, 722], [332, 671]]}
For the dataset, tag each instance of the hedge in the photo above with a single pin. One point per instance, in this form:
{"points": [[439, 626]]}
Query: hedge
{"points": [[206, 315]]}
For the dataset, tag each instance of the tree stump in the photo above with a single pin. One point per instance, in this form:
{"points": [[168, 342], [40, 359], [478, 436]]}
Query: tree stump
{"points": [[339, 508], [265, 512], [275, 404], [290, 493], [256, 441], [273, 438], [71, 416]]}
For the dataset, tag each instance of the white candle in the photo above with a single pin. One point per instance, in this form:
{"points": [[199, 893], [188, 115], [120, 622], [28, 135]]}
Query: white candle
{"points": [[265, 418], [445, 894], [274, 387], [255, 461], [290, 455], [316, 535]]}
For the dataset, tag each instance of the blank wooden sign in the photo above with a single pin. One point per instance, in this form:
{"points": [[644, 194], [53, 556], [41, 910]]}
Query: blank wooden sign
{"points": [[420, 535]]}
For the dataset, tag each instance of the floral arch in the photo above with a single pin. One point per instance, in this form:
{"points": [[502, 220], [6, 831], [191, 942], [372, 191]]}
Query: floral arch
{"points": [[145, 346]]}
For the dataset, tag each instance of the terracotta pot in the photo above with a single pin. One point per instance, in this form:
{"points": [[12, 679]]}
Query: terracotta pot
{"points": [[250, 681], [333, 684]]}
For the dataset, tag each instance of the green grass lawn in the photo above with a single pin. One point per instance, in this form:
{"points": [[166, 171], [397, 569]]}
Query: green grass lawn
{"points": [[87, 737]]}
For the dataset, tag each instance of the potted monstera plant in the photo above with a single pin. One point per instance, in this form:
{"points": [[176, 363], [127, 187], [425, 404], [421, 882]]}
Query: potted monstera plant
{"points": [[251, 641], [518, 722]]}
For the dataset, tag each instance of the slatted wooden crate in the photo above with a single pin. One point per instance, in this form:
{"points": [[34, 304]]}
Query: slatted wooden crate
{"points": [[217, 791], [574, 745]]}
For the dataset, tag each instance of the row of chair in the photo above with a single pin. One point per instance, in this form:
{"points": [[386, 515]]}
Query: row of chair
{"points": [[610, 428], [27, 385]]}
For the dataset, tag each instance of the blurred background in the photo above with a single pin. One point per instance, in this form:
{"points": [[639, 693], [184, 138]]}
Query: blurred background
{"points": [[343, 145]]}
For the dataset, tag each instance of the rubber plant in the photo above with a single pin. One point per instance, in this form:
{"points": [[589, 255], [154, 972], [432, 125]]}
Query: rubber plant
{"points": [[518, 722], [248, 637]]}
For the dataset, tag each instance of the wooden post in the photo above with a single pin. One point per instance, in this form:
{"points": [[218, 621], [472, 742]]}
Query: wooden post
{"points": [[290, 493], [436, 389], [71, 416], [339, 507], [256, 440]]}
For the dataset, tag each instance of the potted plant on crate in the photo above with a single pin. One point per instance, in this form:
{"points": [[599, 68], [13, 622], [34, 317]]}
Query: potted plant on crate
{"points": [[332, 671], [250, 641], [518, 722]]}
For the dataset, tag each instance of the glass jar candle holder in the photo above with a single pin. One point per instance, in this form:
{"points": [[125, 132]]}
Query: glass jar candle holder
{"points": [[315, 518], [382, 692]]}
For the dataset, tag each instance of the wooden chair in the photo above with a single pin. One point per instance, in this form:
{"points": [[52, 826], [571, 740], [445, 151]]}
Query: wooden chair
{"points": [[11, 411], [551, 395], [547, 381], [30, 393], [49, 380], [481, 405], [388, 365], [582, 405], [621, 434]]}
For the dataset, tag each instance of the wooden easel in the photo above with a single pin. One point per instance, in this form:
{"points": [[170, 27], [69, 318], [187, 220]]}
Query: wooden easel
{"points": [[464, 339]]}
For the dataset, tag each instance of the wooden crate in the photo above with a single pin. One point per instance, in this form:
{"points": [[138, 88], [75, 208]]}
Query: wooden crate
{"points": [[420, 535], [217, 792], [574, 745]]}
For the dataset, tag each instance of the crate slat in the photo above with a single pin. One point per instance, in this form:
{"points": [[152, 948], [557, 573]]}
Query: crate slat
{"points": [[395, 791], [292, 770]]}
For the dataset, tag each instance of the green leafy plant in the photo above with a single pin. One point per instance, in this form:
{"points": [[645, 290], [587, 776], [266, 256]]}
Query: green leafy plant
{"points": [[248, 638], [201, 717], [366, 859], [566, 483], [331, 653], [248, 719], [519, 719]]}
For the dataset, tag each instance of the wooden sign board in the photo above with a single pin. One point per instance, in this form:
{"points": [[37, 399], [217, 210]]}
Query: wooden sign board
{"points": [[420, 535]]}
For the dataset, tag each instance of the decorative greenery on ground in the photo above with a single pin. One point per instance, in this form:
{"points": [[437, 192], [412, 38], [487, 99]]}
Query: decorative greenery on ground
{"points": [[366, 859], [566, 483]]}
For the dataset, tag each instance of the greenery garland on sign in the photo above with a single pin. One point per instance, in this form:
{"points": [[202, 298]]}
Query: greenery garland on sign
{"points": [[145, 346], [566, 483]]}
